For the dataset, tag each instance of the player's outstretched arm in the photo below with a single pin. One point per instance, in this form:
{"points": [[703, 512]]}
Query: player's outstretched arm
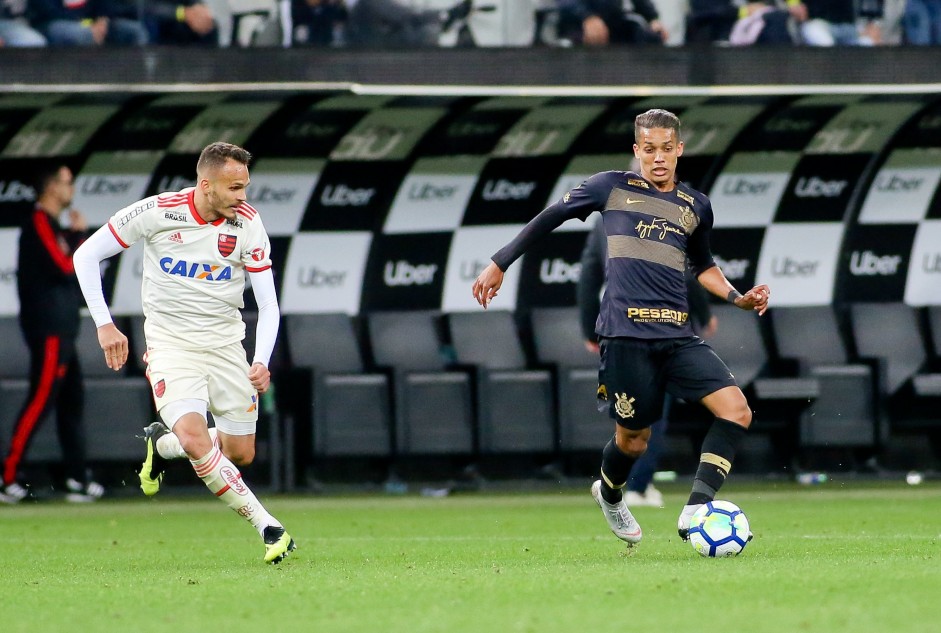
{"points": [[87, 261], [487, 284]]}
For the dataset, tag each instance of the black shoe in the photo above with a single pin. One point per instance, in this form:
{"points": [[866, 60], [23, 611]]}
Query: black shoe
{"points": [[278, 544], [151, 472]]}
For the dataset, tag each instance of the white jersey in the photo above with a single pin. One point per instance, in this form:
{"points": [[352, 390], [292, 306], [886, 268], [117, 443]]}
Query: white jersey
{"points": [[194, 270]]}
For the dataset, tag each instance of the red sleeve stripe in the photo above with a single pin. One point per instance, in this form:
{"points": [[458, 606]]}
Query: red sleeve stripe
{"points": [[117, 237], [257, 270], [247, 216], [47, 237]]}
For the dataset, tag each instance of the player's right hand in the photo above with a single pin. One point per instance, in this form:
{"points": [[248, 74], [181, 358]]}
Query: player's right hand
{"points": [[114, 345]]}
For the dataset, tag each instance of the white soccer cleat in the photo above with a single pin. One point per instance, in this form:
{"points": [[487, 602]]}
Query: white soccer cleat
{"points": [[682, 524], [619, 518]]}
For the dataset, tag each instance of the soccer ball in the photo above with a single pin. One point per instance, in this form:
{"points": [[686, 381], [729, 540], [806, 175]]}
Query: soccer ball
{"points": [[719, 528]]}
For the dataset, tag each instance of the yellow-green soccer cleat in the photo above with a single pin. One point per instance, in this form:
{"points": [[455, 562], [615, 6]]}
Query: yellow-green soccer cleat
{"points": [[151, 472], [278, 544]]}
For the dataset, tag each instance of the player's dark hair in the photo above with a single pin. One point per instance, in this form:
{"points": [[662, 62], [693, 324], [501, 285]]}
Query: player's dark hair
{"points": [[656, 118], [216, 154], [46, 176]]}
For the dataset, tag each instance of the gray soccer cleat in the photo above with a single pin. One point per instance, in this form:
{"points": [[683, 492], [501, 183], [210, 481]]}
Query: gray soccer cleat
{"points": [[619, 518]]}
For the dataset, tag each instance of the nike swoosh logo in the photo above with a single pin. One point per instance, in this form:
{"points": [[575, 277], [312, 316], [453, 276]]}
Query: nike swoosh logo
{"points": [[630, 201]]}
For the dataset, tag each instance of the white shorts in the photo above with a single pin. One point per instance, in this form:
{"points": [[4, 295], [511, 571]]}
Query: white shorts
{"points": [[218, 377]]}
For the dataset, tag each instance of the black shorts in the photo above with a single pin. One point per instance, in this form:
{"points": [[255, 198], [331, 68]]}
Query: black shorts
{"points": [[635, 375]]}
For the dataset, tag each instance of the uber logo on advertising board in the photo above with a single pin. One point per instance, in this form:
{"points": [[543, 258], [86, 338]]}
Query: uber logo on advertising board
{"points": [[799, 262], [821, 187], [17, 196], [471, 249], [736, 252], [109, 181], [151, 128], [903, 188], [324, 272], [512, 190], [430, 200], [924, 270], [792, 128], [874, 262], [476, 131], [352, 196], [99, 195], [750, 188], [406, 272], [9, 246], [304, 130], [549, 271], [280, 190]]}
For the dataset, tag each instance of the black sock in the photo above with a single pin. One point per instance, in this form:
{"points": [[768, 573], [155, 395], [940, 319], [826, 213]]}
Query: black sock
{"points": [[715, 462], [615, 467]]}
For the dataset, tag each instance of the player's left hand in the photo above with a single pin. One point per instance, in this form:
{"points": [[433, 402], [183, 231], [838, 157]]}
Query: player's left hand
{"points": [[756, 299], [487, 284], [260, 377]]}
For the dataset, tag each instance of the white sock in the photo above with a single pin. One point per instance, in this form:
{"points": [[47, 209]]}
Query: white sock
{"points": [[225, 481], [169, 446]]}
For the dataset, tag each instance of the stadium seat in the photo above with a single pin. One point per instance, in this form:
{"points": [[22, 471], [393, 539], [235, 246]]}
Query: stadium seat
{"points": [[558, 342], [843, 413], [892, 335], [515, 410], [351, 412], [433, 406]]}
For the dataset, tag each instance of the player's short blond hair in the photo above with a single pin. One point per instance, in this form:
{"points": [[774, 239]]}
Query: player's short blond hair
{"points": [[656, 118], [215, 155]]}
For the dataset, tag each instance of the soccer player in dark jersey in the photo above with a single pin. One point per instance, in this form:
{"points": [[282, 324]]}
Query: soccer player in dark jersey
{"points": [[655, 228]]}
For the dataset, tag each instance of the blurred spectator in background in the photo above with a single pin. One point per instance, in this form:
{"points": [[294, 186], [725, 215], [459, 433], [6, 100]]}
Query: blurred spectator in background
{"points": [[86, 23], [180, 22], [49, 317], [922, 22], [388, 23], [603, 22], [318, 22], [834, 23], [14, 29], [743, 24]]}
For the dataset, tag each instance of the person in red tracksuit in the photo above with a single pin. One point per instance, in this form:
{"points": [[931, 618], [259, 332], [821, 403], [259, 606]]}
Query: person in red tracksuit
{"points": [[49, 317]]}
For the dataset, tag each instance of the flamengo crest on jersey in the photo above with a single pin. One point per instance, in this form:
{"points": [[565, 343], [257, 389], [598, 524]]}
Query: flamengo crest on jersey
{"points": [[193, 271]]}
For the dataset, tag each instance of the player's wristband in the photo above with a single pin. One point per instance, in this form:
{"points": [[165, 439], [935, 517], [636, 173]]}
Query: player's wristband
{"points": [[180, 13], [733, 295]]}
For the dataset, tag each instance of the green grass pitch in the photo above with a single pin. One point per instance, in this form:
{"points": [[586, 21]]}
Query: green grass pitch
{"points": [[832, 558]]}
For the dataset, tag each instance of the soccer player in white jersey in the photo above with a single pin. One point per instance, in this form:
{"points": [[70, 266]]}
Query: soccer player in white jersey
{"points": [[198, 245]]}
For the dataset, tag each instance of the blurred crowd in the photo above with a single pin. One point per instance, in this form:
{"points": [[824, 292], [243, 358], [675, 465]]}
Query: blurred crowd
{"points": [[485, 23]]}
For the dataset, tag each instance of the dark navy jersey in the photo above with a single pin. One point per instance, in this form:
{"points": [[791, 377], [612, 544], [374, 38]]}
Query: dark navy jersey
{"points": [[651, 237]]}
